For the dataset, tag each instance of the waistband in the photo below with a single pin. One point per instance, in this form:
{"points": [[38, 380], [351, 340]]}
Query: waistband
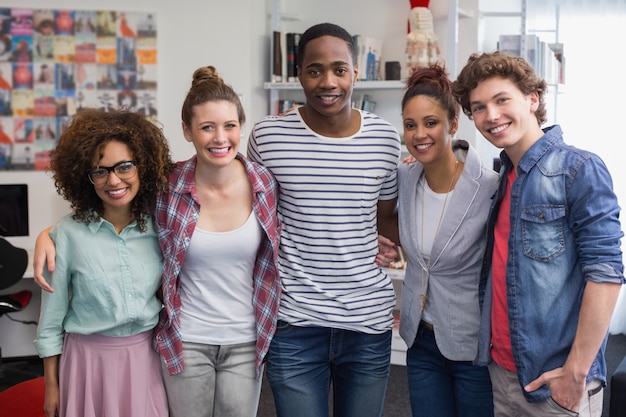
{"points": [[426, 325]]}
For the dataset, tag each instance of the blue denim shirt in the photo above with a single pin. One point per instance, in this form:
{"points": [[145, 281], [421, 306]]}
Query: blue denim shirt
{"points": [[565, 231]]}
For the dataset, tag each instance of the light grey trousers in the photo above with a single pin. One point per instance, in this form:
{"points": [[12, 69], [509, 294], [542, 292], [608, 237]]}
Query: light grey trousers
{"points": [[217, 381], [509, 400]]}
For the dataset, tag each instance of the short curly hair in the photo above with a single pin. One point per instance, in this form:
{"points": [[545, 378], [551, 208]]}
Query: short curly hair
{"points": [[481, 67], [90, 131]]}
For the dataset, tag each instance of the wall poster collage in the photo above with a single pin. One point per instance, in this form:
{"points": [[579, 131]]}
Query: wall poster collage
{"points": [[55, 62]]}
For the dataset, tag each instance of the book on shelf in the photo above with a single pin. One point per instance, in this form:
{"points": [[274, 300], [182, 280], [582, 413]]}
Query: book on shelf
{"points": [[512, 44], [283, 105], [559, 70], [364, 102], [292, 40], [368, 57], [277, 55]]}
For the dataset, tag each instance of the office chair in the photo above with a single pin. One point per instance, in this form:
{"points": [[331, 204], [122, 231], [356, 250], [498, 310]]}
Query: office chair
{"points": [[13, 264]]}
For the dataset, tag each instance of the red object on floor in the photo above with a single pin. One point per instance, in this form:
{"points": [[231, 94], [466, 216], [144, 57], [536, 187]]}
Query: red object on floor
{"points": [[24, 399], [11, 303], [22, 297]]}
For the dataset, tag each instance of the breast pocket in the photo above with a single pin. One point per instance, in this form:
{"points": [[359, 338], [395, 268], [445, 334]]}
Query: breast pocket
{"points": [[542, 231], [93, 291]]}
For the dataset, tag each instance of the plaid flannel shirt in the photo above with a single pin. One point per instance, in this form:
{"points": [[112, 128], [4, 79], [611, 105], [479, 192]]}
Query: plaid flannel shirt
{"points": [[176, 214]]}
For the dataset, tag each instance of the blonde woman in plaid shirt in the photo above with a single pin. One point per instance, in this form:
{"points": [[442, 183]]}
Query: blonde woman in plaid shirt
{"points": [[219, 234]]}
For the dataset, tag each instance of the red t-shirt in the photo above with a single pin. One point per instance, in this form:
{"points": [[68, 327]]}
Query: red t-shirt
{"points": [[501, 350]]}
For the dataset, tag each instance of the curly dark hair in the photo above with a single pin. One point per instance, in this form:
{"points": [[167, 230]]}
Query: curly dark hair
{"points": [[483, 66], [90, 131], [432, 81]]}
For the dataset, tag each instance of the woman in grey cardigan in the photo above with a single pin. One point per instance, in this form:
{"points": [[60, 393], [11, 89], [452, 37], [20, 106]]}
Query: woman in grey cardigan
{"points": [[443, 203]]}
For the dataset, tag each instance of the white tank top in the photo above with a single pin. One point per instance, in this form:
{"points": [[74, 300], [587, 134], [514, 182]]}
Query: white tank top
{"points": [[216, 285], [435, 206]]}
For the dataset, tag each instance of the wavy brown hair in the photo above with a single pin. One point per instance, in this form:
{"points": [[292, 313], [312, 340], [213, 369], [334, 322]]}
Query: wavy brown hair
{"points": [[85, 139], [483, 66]]}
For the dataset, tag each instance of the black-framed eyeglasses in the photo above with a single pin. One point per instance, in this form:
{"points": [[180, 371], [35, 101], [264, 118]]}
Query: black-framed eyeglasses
{"points": [[124, 170]]}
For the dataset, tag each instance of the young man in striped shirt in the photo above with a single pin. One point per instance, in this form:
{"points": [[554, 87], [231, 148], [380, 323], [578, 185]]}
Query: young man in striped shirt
{"points": [[336, 168]]}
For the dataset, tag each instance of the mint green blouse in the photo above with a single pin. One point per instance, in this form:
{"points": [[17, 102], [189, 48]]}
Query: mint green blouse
{"points": [[103, 283]]}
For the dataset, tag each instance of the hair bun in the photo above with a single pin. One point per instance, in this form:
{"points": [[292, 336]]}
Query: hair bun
{"points": [[208, 73]]}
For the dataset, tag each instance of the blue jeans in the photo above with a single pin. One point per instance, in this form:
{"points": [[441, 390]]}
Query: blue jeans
{"points": [[444, 388], [303, 361]]}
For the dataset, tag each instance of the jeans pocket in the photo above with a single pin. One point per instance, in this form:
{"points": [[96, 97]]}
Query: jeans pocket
{"points": [[560, 410]]}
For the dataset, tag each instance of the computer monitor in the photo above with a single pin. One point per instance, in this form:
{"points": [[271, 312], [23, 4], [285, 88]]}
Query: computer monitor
{"points": [[13, 210]]}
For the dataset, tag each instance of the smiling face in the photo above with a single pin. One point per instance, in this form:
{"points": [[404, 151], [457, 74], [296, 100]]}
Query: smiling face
{"points": [[505, 116], [427, 130], [116, 194], [327, 75], [215, 132]]}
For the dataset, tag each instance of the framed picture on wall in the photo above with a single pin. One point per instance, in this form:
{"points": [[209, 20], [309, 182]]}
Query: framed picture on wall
{"points": [[55, 62]]}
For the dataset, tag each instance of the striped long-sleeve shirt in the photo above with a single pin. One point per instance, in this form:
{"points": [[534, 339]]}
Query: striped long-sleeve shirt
{"points": [[329, 190]]}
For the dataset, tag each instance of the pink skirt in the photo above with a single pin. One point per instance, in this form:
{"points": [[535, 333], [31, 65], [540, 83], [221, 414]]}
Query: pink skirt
{"points": [[103, 376]]}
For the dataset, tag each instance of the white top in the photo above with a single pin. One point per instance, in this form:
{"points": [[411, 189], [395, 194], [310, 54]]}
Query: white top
{"points": [[435, 207], [434, 213], [216, 286], [329, 190]]}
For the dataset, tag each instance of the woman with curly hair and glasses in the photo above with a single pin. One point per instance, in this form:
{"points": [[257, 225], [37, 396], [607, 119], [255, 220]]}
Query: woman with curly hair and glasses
{"points": [[95, 331]]}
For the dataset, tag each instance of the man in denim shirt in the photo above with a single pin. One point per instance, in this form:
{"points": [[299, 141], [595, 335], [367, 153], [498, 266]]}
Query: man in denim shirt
{"points": [[553, 265]]}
